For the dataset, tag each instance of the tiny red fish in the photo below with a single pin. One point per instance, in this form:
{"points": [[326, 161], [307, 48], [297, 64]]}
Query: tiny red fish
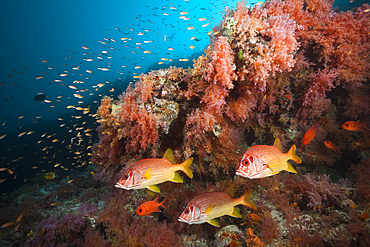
{"points": [[310, 134], [255, 217], [355, 126], [332, 146], [149, 207], [364, 216]]}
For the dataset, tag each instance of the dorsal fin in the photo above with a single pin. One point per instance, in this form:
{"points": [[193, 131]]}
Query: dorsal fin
{"points": [[230, 191], [277, 144], [168, 155]]}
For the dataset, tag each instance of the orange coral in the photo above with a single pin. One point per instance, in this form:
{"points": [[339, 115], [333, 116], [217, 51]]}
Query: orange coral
{"points": [[252, 240]]}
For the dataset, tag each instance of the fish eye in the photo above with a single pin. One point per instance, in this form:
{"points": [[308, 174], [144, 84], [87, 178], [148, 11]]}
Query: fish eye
{"points": [[186, 211], [347, 125], [246, 162], [140, 210], [125, 177]]}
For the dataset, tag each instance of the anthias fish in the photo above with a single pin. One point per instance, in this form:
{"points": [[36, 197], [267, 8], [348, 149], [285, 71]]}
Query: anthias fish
{"points": [[310, 134], [210, 205], [262, 161], [149, 207], [147, 173]]}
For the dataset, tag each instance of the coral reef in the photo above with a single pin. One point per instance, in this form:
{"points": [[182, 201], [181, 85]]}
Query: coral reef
{"points": [[271, 71]]}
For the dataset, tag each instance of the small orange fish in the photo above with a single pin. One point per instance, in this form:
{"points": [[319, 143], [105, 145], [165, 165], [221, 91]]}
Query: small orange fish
{"points": [[149, 207], [355, 126], [7, 224], [255, 217], [262, 161], [310, 134], [332, 146], [210, 205], [147, 173], [364, 216]]}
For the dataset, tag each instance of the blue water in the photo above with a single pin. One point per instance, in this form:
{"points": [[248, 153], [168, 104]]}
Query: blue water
{"points": [[56, 31]]}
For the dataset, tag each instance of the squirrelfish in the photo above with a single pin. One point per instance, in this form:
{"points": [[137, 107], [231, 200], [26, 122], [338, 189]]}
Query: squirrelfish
{"points": [[310, 134], [262, 161], [149, 207], [355, 126], [210, 205], [147, 173]]}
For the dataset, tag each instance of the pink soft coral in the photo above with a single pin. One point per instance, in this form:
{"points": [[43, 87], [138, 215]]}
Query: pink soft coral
{"points": [[267, 44], [220, 74]]}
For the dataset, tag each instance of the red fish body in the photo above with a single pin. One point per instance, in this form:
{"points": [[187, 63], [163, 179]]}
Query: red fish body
{"points": [[210, 205], [262, 161], [147, 173], [149, 207], [332, 146], [310, 134], [355, 126]]}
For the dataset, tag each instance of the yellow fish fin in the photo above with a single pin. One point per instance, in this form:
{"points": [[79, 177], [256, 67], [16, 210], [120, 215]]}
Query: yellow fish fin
{"points": [[176, 178], [214, 222], [150, 192], [186, 167], [293, 156], [291, 169], [168, 155], [277, 144], [230, 191], [209, 209], [236, 213], [277, 164], [154, 188], [244, 199], [148, 174]]}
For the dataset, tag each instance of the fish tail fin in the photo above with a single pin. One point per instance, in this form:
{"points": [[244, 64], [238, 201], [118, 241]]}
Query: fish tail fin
{"points": [[162, 203], [186, 167], [293, 156], [365, 126], [244, 199]]}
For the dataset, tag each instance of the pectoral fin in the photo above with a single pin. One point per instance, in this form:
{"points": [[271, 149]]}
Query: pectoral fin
{"points": [[177, 178], [236, 213], [209, 209], [148, 174], [214, 222], [154, 188], [277, 165]]}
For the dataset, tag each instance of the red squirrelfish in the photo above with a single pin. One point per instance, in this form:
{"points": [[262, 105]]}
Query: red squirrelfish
{"points": [[310, 134], [355, 126], [147, 173], [149, 207], [210, 205], [332, 146], [262, 161]]}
